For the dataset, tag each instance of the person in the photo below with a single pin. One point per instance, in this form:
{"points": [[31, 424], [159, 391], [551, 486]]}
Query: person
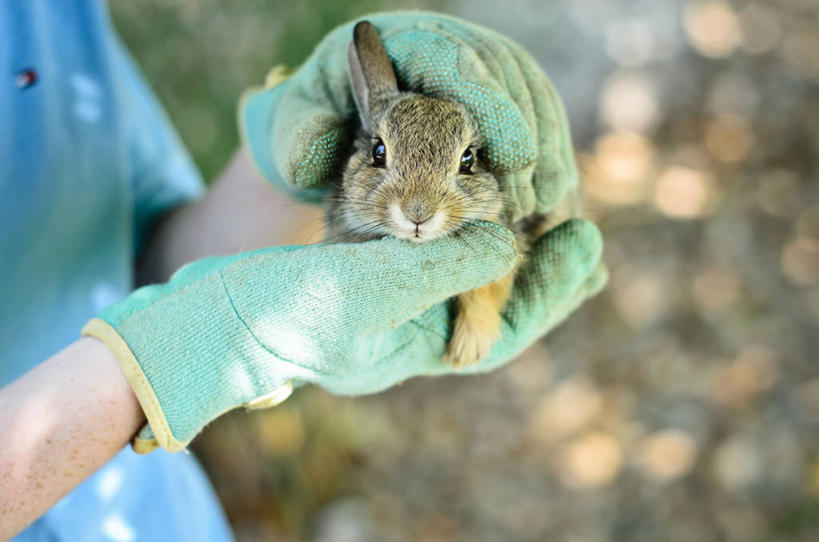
{"points": [[94, 180]]}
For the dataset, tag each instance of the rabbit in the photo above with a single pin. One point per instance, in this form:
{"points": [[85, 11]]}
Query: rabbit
{"points": [[415, 173]]}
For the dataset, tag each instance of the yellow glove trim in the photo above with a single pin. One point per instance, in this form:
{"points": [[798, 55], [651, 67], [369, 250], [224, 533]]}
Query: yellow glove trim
{"points": [[144, 446], [273, 398], [101, 330], [276, 76]]}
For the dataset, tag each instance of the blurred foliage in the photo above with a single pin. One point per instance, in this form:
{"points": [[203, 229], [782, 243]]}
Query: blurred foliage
{"points": [[199, 55], [682, 404]]}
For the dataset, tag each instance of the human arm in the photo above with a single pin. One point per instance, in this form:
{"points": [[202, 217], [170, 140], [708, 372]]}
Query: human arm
{"points": [[240, 212], [59, 423], [64, 419], [175, 219], [67, 417]]}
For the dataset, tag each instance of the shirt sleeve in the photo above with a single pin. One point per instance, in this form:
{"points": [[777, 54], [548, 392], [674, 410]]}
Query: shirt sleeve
{"points": [[162, 172]]}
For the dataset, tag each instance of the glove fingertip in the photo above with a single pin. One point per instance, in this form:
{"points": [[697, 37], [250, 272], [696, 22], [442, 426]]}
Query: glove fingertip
{"points": [[315, 156], [577, 238], [299, 147], [498, 244], [597, 281]]}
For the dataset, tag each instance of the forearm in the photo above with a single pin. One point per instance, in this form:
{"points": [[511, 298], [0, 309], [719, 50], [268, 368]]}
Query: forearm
{"points": [[59, 423], [240, 212]]}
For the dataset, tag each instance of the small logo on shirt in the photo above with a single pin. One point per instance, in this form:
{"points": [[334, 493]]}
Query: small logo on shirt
{"points": [[26, 78]]}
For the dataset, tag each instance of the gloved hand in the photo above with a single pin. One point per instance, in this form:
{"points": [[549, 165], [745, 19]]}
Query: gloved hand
{"points": [[298, 128], [245, 330]]}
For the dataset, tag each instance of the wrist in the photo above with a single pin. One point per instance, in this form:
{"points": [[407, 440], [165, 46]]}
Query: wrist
{"points": [[186, 353]]}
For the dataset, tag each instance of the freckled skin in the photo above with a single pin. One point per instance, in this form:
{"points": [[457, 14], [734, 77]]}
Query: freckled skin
{"points": [[49, 449]]}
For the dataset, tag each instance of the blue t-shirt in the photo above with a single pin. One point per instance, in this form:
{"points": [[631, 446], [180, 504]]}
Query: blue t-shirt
{"points": [[88, 160]]}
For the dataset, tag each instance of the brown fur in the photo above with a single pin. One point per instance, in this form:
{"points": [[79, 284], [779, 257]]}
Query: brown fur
{"points": [[421, 183]]}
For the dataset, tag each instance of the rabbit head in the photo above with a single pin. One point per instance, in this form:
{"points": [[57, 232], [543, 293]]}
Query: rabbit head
{"points": [[414, 172]]}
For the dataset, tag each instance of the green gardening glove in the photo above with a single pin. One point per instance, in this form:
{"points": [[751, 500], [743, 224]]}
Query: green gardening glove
{"points": [[245, 330], [298, 129]]}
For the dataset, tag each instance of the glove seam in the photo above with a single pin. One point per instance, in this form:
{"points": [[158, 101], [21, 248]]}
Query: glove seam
{"points": [[399, 348], [255, 338], [429, 329]]}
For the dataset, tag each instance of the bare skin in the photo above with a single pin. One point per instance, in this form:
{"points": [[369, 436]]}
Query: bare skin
{"points": [[240, 212], [59, 423], [67, 417]]}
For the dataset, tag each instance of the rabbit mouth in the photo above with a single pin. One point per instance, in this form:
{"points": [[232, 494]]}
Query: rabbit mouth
{"points": [[417, 229]]}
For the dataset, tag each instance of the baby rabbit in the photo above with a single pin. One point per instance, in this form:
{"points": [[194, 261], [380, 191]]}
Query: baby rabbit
{"points": [[415, 174]]}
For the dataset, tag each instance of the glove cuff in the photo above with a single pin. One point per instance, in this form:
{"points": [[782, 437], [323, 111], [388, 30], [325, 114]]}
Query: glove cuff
{"points": [[102, 330], [157, 432]]}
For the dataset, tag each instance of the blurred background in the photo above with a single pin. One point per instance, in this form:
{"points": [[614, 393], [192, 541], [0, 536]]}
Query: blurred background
{"points": [[680, 404]]}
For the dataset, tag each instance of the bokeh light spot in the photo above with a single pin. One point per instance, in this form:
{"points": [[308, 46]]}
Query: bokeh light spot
{"points": [[629, 102], [716, 288], [800, 261], [640, 297], [777, 192], [566, 410], [753, 372], [683, 192], [667, 455], [713, 28], [761, 28], [618, 171], [591, 461], [729, 138], [737, 464], [281, 431]]}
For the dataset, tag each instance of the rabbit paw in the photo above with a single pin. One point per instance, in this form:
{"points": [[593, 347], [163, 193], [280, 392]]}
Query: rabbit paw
{"points": [[470, 342]]}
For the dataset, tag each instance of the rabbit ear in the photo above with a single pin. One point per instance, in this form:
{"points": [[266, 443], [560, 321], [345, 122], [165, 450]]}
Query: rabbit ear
{"points": [[371, 74]]}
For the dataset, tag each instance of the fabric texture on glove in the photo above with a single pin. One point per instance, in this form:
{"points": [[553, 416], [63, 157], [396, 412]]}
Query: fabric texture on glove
{"points": [[298, 129], [229, 331], [354, 319]]}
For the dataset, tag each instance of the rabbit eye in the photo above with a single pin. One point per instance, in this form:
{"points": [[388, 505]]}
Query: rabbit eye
{"points": [[379, 153], [467, 159]]}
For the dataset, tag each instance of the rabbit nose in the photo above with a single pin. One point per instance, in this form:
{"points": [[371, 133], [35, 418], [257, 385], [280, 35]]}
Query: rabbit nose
{"points": [[417, 212]]}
